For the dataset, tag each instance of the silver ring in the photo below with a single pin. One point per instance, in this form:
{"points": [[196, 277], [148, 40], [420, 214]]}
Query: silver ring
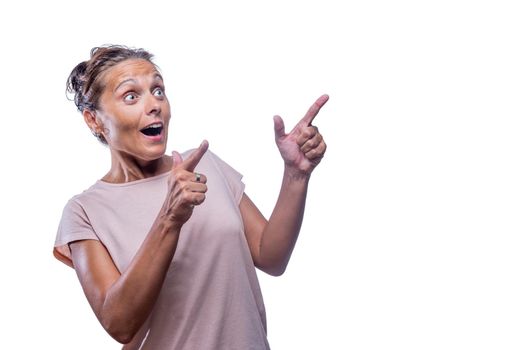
{"points": [[197, 175]]}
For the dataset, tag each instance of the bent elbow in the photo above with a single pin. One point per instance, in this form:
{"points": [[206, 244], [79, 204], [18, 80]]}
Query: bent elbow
{"points": [[124, 338], [121, 333], [275, 271]]}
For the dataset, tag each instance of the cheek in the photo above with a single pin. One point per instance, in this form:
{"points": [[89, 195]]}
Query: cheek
{"points": [[167, 111], [119, 129], [167, 114]]}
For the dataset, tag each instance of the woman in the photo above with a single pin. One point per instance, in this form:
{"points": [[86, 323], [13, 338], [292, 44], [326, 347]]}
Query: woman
{"points": [[165, 247]]}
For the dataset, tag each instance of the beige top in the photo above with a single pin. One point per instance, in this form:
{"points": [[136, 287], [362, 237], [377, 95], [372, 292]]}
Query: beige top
{"points": [[211, 298]]}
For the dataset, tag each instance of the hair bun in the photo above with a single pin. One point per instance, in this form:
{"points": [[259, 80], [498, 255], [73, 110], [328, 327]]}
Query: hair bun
{"points": [[75, 84]]}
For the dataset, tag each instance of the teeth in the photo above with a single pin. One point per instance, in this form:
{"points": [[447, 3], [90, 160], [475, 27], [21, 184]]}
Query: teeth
{"points": [[157, 125]]}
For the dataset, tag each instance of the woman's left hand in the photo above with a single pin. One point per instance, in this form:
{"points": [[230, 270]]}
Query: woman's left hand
{"points": [[303, 148]]}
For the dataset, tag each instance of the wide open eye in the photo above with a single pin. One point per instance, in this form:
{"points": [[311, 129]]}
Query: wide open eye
{"points": [[158, 92], [130, 97]]}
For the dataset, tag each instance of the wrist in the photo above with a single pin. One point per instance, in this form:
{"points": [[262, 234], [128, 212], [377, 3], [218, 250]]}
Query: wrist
{"points": [[167, 222], [296, 175]]}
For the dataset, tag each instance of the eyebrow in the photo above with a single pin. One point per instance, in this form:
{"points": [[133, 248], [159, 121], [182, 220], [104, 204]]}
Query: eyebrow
{"points": [[124, 82], [131, 80]]}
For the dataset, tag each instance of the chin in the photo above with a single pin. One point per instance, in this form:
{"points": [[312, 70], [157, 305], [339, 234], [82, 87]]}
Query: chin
{"points": [[154, 153]]}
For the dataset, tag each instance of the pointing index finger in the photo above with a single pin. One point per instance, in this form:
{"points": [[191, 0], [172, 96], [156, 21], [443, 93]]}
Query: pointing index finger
{"points": [[191, 162], [314, 109]]}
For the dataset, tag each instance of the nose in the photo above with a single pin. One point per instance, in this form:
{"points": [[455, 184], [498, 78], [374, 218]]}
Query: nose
{"points": [[153, 105]]}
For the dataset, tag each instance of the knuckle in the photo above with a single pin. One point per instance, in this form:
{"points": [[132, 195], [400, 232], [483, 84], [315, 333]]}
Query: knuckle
{"points": [[307, 132], [179, 175], [186, 197]]}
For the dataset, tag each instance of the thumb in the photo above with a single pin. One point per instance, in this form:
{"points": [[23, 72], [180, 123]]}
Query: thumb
{"points": [[177, 159], [280, 129]]}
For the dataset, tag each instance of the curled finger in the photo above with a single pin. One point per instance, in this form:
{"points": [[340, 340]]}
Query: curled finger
{"points": [[200, 178], [316, 153], [312, 143], [196, 187], [198, 198], [306, 133]]}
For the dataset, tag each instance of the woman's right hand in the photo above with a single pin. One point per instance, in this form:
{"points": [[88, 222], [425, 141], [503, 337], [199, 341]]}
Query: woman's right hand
{"points": [[185, 188]]}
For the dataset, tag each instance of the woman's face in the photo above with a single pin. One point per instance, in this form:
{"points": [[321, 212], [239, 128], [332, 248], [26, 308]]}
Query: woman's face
{"points": [[134, 112]]}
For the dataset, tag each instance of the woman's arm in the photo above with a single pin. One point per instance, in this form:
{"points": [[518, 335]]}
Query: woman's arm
{"points": [[271, 242], [122, 302]]}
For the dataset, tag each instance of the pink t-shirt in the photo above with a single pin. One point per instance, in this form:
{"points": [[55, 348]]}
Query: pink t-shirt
{"points": [[210, 298]]}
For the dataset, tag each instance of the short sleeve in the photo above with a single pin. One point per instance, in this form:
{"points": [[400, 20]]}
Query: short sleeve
{"points": [[74, 226], [233, 178]]}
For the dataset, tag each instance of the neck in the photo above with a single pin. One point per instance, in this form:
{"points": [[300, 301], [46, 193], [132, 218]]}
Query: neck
{"points": [[125, 168]]}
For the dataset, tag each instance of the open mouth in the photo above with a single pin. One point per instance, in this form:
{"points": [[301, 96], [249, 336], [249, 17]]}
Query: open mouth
{"points": [[153, 129]]}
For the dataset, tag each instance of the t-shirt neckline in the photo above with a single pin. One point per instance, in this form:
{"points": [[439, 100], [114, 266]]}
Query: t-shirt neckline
{"points": [[131, 183]]}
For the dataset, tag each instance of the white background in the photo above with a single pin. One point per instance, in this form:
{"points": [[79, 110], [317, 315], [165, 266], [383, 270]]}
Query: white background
{"points": [[413, 235]]}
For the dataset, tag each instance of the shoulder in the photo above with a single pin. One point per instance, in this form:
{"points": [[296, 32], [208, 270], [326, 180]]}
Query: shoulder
{"points": [[209, 155], [212, 163], [79, 201], [75, 205]]}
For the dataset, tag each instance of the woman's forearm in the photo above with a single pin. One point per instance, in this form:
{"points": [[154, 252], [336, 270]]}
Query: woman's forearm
{"points": [[281, 232], [129, 301]]}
